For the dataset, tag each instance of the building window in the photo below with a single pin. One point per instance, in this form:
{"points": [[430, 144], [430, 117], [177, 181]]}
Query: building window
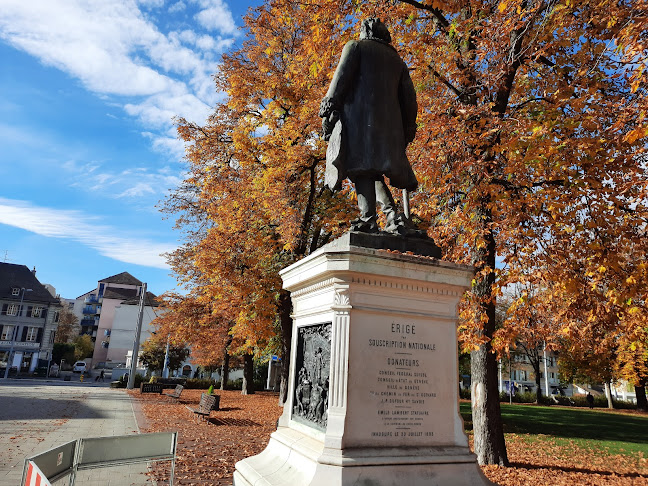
{"points": [[36, 311], [7, 333], [32, 334], [15, 291], [12, 310], [56, 316]]}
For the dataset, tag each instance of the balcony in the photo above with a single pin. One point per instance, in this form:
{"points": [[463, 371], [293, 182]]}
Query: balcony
{"points": [[92, 299], [89, 322], [90, 310]]}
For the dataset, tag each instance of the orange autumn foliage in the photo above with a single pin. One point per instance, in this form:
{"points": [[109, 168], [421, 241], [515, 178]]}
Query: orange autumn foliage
{"points": [[530, 154]]}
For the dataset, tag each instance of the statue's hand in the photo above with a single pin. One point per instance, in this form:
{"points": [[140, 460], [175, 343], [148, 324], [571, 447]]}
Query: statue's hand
{"points": [[328, 124], [326, 107]]}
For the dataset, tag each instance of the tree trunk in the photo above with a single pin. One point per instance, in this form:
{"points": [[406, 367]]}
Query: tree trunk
{"points": [[225, 366], [640, 391], [538, 379], [608, 394], [285, 309], [248, 375], [488, 431]]}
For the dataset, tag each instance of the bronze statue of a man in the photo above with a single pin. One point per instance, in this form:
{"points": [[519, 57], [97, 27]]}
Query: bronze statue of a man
{"points": [[369, 117]]}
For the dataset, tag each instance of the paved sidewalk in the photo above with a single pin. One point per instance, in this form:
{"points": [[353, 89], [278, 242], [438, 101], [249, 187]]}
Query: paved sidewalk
{"points": [[38, 415]]}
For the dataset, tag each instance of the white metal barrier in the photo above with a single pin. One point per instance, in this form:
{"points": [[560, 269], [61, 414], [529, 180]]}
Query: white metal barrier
{"points": [[96, 452]]}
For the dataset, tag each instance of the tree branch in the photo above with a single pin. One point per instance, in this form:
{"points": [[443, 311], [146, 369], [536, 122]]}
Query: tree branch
{"points": [[438, 14]]}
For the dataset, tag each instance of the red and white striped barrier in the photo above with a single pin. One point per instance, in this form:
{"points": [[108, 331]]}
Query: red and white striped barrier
{"points": [[35, 477]]}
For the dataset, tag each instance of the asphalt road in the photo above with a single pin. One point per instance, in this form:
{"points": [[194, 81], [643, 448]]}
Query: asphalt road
{"points": [[37, 415]]}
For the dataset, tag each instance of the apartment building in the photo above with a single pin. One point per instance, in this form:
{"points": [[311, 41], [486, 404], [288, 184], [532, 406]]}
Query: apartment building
{"points": [[28, 319]]}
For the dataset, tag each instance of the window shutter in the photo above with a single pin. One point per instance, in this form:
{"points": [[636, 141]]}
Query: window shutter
{"points": [[4, 309], [24, 334], [39, 335], [44, 313], [29, 310]]}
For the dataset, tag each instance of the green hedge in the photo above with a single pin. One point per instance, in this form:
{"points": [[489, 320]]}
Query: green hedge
{"points": [[199, 383], [123, 381]]}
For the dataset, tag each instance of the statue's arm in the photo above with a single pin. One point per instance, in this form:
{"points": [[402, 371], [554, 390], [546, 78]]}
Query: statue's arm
{"points": [[409, 107], [342, 81]]}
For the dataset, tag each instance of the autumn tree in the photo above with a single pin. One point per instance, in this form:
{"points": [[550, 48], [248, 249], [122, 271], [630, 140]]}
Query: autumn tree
{"points": [[531, 131], [83, 347], [254, 200], [529, 327], [532, 123], [68, 326], [153, 352]]}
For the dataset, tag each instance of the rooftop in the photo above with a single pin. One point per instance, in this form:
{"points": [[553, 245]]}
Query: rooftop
{"points": [[123, 278], [20, 276], [151, 300]]}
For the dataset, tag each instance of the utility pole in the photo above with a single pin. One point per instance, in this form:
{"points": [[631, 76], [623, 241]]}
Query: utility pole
{"points": [[136, 342], [165, 369], [544, 356]]}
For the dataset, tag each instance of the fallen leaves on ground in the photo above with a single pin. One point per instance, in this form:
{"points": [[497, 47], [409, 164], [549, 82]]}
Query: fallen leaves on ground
{"points": [[541, 460], [207, 453]]}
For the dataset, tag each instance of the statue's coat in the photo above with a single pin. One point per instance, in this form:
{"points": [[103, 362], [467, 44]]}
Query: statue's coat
{"points": [[376, 100]]}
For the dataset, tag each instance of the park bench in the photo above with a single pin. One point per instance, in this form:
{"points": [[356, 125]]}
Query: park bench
{"points": [[176, 393], [206, 405], [151, 388]]}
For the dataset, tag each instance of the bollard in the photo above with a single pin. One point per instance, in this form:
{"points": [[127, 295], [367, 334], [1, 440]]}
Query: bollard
{"points": [[81, 378]]}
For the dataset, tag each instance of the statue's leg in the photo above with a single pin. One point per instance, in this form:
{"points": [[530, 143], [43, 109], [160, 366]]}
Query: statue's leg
{"points": [[366, 192], [386, 200]]}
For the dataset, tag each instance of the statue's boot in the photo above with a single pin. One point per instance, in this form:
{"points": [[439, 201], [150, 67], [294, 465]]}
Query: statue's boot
{"points": [[365, 190], [397, 223]]}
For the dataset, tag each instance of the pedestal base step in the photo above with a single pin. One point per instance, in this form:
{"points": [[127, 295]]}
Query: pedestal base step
{"points": [[294, 459]]}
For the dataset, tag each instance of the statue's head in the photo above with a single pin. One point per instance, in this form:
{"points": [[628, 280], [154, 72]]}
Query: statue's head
{"points": [[374, 28]]}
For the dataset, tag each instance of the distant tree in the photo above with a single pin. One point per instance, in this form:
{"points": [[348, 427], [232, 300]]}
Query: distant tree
{"points": [[68, 326], [63, 352], [83, 347], [153, 351], [248, 375]]}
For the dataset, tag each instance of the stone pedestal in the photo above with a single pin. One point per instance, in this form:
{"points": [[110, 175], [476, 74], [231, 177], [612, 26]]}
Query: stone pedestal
{"points": [[373, 384]]}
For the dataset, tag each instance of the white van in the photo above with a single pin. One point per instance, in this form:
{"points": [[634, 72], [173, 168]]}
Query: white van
{"points": [[80, 367]]}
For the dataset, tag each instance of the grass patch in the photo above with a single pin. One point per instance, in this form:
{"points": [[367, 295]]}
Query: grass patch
{"points": [[609, 433]]}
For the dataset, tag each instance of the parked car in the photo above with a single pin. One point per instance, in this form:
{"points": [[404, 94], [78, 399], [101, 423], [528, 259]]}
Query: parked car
{"points": [[80, 367]]}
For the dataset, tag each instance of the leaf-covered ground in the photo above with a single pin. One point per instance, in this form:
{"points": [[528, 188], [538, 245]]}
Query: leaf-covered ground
{"points": [[207, 452]]}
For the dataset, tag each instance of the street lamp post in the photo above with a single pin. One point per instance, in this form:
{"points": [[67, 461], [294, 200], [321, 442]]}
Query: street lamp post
{"points": [[14, 332], [165, 368]]}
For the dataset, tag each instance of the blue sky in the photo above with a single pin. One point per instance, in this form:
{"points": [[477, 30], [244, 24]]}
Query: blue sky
{"points": [[88, 90]]}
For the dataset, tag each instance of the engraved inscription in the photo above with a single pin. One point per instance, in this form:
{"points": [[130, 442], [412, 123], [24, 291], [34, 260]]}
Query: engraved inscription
{"points": [[402, 388], [312, 380]]}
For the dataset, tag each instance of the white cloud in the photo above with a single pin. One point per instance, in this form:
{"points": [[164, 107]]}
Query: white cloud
{"points": [[177, 7], [117, 51], [77, 226], [134, 182], [151, 3], [215, 15], [167, 145]]}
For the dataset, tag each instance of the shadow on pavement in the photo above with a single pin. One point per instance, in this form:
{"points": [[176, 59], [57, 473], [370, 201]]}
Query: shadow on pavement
{"points": [[30, 408]]}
